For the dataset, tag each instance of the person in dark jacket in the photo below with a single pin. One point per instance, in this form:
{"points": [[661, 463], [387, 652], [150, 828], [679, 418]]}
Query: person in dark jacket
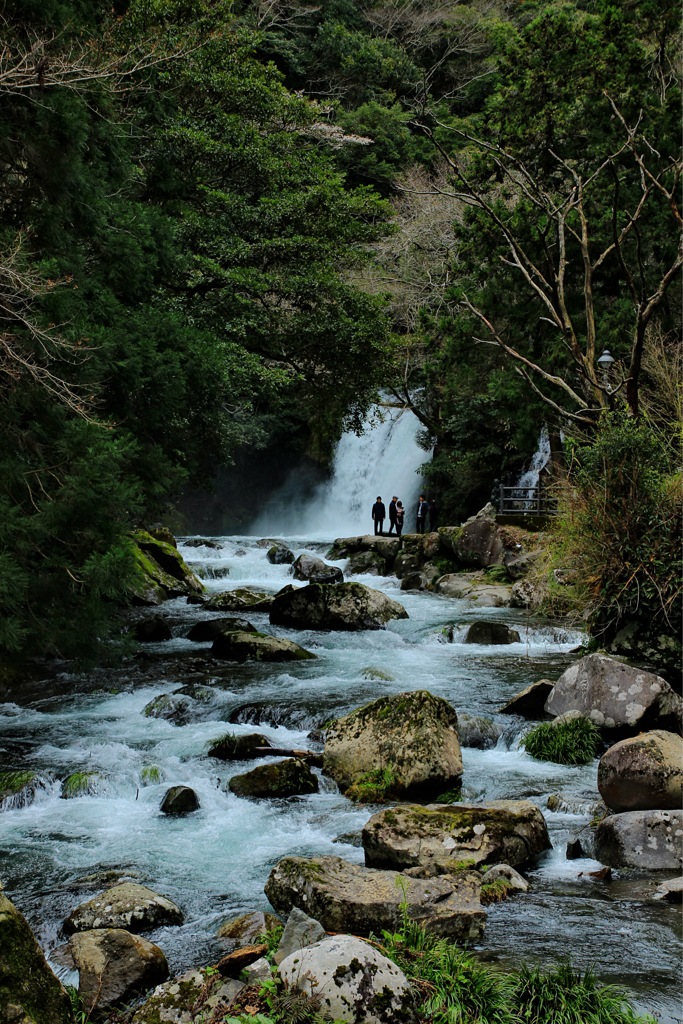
{"points": [[392, 514], [422, 510], [400, 516], [379, 514], [433, 515]]}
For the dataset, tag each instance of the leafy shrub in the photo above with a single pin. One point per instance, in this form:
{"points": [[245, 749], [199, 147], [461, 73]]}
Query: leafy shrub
{"points": [[572, 742]]}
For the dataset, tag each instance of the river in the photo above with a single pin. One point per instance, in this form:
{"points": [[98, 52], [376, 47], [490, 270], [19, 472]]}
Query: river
{"points": [[55, 853]]}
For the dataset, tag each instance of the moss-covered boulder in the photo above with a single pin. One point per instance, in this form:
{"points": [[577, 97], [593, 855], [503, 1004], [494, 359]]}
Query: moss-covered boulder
{"points": [[279, 554], [173, 707], [347, 606], [404, 746], [643, 772], [441, 838], [478, 731], [386, 547], [130, 906], [369, 563], [80, 784], [194, 996], [17, 789], [203, 632], [114, 966], [235, 747], [257, 647], [291, 777], [239, 600], [162, 570], [29, 991], [346, 897]]}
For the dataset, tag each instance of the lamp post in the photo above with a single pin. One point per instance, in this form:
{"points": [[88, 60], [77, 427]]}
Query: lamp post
{"points": [[606, 362]]}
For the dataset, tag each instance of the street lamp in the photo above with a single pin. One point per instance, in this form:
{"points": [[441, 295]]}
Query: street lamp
{"points": [[606, 361]]}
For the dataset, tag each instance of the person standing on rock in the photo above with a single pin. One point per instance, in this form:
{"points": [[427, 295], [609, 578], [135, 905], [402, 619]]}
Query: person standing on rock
{"points": [[400, 516], [379, 514], [422, 510], [392, 514], [433, 515]]}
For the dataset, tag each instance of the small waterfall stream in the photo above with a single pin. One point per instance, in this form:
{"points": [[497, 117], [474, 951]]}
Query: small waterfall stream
{"points": [[385, 459]]}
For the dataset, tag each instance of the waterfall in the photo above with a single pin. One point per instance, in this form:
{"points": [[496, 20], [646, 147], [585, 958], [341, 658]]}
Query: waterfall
{"points": [[541, 457], [385, 460]]}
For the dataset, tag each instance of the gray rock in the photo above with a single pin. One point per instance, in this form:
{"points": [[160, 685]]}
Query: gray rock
{"points": [[129, 905], [386, 547], [300, 930], [406, 564], [256, 972], [616, 696], [170, 706], [508, 874], [413, 736], [239, 600], [477, 731], [306, 566], [257, 647], [349, 898], [114, 966], [234, 747], [643, 772], [485, 631], [366, 563], [530, 702], [245, 929], [186, 999], [179, 800], [671, 890], [291, 777], [152, 630], [29, 991], [202, 632], [525, 593], [480, 541], [649, 840], [407, 836], [348, 606], [353, 981], [280, 554], [518, 565], [414, 581]]}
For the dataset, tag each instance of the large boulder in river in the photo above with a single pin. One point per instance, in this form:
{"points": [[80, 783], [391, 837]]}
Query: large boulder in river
{"points": [[648, 840], [173, 707], [412, 738], [257, 647], [238, 747], [129, 905], [438, 837], [209, 629], [616, 696], [346, 897], [529, 702], [152, 630], [348, 606], [162, 570], [291, 777], [29, 991], [179, 800], [643, 772], [369, 563], [114, 966], [386, 547], [351, 980], [487, 632]]}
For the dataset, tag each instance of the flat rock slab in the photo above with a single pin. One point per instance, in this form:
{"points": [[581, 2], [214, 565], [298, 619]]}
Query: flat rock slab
{"points": [[299, 931], [129, 905], [650, 840], [345, 606], [443, 837], [616, 696], [346, 897], [353, 981]]}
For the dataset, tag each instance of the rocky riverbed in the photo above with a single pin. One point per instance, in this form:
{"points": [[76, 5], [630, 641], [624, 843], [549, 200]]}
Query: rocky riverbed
{"points": [[127, 733]]}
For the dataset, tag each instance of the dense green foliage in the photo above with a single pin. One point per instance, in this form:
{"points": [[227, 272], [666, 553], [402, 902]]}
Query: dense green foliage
{"points": [[575, 741], [227, 225]]}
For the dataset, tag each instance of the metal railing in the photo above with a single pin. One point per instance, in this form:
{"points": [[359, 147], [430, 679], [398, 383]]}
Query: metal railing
{"points": [[521, 501]]}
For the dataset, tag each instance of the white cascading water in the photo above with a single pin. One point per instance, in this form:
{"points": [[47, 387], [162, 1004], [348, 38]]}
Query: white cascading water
{"points": [[384, 460], [531, 476]]}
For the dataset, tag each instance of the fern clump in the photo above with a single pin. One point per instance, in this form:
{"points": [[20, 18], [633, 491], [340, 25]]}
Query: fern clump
{"points": [[574, 741], [563, 995]]}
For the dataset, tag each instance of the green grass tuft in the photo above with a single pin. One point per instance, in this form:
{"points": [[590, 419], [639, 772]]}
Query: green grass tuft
{"points": [[575, 741]]}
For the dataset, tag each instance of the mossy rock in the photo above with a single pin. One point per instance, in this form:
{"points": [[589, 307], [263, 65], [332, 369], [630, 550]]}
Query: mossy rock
{"points": [[151, 775], [291, 777], [380, 674], [257, 647], [203, 632], [169, 706], [247, 928], [79, 784], [29, 991], [232, 747], [161, 567], [17, 788], [238, 600]]}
